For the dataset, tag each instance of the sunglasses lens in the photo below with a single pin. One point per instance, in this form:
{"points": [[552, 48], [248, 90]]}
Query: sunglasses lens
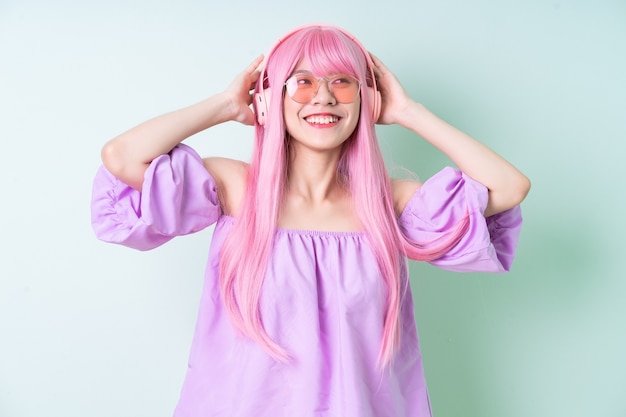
{"points": [[345, 88], [303, 87]]}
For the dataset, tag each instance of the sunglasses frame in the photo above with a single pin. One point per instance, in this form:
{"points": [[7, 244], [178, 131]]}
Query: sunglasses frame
{"points": [[319, 81]]}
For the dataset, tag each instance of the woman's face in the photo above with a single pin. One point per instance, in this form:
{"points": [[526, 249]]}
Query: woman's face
{"points": [[321, 124]]}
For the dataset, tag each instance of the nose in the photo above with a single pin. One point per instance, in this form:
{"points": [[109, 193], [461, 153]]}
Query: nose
{"points": [[324, 95]]}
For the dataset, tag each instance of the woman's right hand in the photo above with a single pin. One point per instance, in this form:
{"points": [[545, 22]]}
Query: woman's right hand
{"points": [[128, 155], [240, 92]]}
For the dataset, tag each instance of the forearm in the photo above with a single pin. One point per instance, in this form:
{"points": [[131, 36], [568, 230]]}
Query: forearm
{"points": [[128, 155], [506, 184]]}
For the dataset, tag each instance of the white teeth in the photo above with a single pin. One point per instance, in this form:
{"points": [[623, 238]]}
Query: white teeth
{"points": [[322, 120]]}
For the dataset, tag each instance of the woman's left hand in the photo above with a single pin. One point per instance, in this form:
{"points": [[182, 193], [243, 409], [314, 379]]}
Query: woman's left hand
{"points": [[507, 186], [395, 100]]}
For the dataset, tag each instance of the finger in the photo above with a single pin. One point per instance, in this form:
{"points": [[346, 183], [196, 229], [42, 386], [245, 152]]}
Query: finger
{"points": [[378, 62], [253, 70], [378, 66], [377, 72], [254, 80], [375, 60], [249, 118]]}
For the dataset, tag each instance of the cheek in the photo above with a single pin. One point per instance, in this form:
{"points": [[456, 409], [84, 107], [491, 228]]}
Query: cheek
{"points": [[290, 115], [356, 112]]}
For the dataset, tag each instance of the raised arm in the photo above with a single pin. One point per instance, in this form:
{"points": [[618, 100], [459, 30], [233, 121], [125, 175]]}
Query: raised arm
{"points": [[506, 184], [128, 155]]}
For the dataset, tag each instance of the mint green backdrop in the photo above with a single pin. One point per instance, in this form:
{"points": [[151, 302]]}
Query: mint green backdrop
{"points": [[90, 329], [544, 84]]}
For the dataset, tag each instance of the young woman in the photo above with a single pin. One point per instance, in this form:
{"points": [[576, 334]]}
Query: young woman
{"points": [[306, 309]]}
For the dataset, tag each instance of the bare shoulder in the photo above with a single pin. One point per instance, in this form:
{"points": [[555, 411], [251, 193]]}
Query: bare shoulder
{"points": [[230, 176], [403, 191]]}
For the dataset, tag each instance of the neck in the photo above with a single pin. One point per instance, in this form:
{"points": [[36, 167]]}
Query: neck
{"points": [[313, 175]]}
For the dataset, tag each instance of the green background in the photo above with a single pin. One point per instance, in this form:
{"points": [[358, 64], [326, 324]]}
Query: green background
{"points": [[93, 329], [544, 84]]}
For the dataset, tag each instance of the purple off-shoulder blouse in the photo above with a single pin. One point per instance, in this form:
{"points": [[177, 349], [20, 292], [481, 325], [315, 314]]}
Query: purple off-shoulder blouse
{"points": [[322, 299]]}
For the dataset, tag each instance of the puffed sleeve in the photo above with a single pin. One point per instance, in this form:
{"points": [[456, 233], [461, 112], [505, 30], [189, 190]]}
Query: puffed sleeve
{"points": [[178, 197], [437, 207]]}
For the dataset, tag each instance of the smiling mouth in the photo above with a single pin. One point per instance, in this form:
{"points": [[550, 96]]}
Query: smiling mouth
{"points": [[322, 120]]}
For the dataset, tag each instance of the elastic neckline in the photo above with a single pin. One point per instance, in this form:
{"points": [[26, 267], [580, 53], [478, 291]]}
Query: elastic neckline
{"points": [[308, 232]]}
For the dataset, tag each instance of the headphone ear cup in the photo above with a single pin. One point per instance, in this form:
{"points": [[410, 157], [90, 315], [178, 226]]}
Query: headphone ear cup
{"points": [[261, 105], [260, 109], [375, 100]]}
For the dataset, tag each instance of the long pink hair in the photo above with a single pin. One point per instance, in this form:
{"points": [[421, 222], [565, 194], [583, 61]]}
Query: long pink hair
{"points": [[247, 249]]}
